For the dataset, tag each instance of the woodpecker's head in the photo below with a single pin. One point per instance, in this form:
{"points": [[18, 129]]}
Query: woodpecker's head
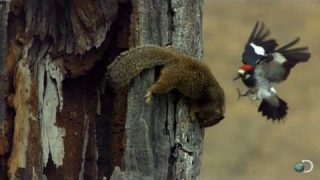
{"points": [[246, 73]]}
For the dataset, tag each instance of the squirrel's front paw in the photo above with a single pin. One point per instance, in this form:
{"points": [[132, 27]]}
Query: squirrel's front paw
{"points": [[193, 111], [148, 97], [193, 116]]}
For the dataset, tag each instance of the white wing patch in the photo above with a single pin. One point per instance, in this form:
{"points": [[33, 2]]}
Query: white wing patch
{"points": [[258, 49], [272, 89], [279, 58]]}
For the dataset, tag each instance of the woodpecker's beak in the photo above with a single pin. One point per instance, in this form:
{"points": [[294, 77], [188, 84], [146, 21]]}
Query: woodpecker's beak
{"points": [[241, 72], [236, 78]]}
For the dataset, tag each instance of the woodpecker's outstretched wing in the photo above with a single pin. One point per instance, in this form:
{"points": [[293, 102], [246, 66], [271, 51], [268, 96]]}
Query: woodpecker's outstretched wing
{"points": [[277, 65], [258, 46]]}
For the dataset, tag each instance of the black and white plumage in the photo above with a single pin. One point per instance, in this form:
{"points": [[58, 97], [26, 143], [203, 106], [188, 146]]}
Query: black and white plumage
{"points": [[271, 106], [278, 64], [258, 46], [264, 65]]}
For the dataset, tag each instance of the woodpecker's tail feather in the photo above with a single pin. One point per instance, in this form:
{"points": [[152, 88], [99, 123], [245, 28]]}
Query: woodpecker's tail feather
{"points": [[275, 113]]}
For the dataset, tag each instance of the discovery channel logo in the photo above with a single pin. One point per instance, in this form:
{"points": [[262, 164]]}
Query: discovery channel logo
{"points": [[300, 166]]}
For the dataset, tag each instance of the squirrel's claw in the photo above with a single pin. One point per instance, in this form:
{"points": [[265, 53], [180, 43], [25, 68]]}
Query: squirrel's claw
{"points": [[148, 97], [192, 116]]}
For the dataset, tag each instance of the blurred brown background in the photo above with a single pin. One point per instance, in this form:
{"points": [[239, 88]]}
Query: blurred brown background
{"points": [[245, 146]]}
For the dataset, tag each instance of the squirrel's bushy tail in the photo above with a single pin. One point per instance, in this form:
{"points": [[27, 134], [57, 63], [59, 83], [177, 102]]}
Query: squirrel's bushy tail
{"points": [[130, 63]]}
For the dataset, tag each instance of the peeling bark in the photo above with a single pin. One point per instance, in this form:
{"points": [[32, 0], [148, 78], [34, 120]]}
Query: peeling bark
{"points": [[50, 101], [75, 26], [23, 116]]}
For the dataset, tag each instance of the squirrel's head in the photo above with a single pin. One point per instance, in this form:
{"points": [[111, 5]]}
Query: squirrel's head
{"points": [[210, 117], [212, 112]]}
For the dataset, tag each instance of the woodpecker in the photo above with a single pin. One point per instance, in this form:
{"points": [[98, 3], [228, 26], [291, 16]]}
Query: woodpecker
{"points": [[271, 106], [263, 65]]}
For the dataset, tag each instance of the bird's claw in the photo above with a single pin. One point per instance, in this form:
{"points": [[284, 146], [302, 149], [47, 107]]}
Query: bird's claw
{"points": [[240, 94]]}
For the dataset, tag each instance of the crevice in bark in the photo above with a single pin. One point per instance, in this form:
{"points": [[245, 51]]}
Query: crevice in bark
{"points": [[170, 22], [111, 122]]}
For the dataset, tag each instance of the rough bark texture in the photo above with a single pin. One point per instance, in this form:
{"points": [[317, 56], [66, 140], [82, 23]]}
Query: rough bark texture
{"points": [[161, 142], [59, 125], [4, 142], [4, 9]]}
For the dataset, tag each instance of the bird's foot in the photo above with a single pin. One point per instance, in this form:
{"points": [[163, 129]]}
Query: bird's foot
{"points": [[241, 94], [255, 98]]}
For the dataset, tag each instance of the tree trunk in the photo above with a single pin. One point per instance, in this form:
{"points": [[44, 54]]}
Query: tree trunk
{"points": [[58, 124]]}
